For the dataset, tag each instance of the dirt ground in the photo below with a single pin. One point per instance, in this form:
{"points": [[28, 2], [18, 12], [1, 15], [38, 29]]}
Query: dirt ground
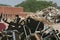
{"points": [[56, 26]]}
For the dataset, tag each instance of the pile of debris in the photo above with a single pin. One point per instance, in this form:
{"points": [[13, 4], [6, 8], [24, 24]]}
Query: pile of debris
{"points": [[33, 27], [51, 13]]}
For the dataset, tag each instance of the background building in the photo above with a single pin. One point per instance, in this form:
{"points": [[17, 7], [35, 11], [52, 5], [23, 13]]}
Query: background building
{"points": [[9, 12]]}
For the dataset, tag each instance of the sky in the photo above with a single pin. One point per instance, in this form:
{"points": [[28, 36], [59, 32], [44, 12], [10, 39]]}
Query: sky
{"points": [[57, 1], [10, 2], [14, 2]]}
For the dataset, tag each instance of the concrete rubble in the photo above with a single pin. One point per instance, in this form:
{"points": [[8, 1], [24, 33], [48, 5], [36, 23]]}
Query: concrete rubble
{"points": [[51, 13], [46, 21]]}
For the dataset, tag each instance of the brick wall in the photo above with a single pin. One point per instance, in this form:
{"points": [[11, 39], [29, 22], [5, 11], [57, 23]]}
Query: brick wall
{"points": [[8, 11]]}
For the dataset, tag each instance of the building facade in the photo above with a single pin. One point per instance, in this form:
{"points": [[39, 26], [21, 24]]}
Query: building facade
{"points": [[10, 12]]}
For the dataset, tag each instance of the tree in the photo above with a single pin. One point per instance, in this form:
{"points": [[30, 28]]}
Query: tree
{"points": [[4, 5], [33, 5]]}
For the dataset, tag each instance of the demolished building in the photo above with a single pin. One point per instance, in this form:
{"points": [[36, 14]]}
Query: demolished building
{"points": [[50, 13]]}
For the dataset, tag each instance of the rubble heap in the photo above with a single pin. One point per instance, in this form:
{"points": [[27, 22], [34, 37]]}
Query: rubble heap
{"points": [[51, 13]]}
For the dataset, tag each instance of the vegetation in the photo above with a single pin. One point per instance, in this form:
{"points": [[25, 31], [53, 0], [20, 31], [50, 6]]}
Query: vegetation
{"points": [[4, 5], [33, 5]]}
